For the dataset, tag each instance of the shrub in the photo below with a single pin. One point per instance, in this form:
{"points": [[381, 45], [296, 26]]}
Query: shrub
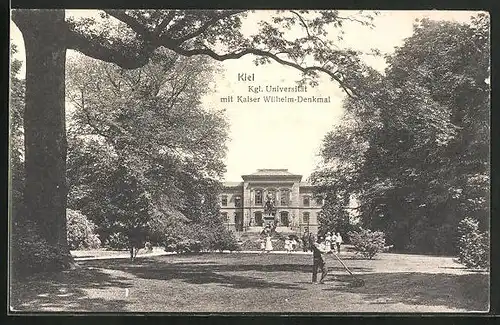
{"points": [[81, 231], [206, 236], [367, 243], [224, 239], [250, 245], [31, 253], [184, 246], [278, 244], [473, 245], [209, 238]]}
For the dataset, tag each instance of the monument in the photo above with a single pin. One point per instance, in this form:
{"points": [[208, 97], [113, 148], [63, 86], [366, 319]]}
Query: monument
{"points": [[270, 211]]}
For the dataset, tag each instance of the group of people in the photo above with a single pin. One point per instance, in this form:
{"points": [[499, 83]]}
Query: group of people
{"points": [[266, 245], [330, 243], [290, 244], [332, 240]]}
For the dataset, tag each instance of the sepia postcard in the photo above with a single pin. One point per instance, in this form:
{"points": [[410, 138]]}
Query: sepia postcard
{"points": [[249, 161]]}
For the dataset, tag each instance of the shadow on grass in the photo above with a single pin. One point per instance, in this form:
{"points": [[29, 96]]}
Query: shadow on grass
{"points": [[173, 266], [467, 291], [199, 272], [65, 291]]}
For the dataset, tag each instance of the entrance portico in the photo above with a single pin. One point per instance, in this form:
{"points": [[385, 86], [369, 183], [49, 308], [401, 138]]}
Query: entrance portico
{"points": [[267, 196]]}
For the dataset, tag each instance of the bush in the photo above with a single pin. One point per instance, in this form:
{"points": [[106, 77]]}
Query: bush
{"points": [[185, 246], [473, 245], [31, 253], [81, 231], [224, 239], [250, 245], [367, 243], [278, 244], [209, 238]]}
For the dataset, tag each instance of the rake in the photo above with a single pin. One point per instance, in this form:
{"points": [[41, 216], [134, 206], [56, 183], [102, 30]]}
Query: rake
{"points": [[357, 281]]}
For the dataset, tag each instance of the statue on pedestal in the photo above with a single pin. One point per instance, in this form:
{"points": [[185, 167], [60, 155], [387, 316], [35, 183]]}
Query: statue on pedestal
{"points": [[269, 207]]}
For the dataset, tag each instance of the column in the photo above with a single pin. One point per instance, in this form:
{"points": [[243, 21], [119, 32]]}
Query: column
{"points": [[250, 210]]}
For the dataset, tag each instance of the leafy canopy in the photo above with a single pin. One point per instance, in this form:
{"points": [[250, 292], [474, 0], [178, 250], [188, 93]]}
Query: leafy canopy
{"points": [[414, 150], [144, 154]]}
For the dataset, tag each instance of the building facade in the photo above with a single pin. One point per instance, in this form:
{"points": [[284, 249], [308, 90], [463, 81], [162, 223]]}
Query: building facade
{"points": [[270, 195]]}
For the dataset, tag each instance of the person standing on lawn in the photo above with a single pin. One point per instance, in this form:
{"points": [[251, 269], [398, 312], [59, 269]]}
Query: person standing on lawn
{"points": [[329, 241], [294, 243], [262, 243], [148, 247], [288, 245], [338, 241], [305, 239], [310, 242], [319, 263], [269, 244]]}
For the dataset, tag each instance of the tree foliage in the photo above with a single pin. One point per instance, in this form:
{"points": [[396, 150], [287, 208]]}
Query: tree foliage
{"points": [[414, 151], [81, 231], [129, 38], [144, 154], [16, 102], [367, 243], [473, 244]]}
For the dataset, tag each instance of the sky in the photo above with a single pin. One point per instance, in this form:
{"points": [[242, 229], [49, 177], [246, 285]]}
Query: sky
{"points": [[289, 135]]}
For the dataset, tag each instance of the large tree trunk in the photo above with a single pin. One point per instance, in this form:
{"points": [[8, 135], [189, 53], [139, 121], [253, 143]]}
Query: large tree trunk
{"points": [[45, 192]]}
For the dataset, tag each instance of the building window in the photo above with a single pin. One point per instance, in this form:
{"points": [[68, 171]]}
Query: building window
{"points": [[319, 201], [237, 201], [224, 200], [238, 221], [284, 197], [258, 197], [225, 217], [305, 217], [305, 201], [284, 221]]}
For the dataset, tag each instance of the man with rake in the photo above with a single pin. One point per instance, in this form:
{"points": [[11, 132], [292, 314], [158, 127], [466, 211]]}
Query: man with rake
{"points": [[319, 251]]}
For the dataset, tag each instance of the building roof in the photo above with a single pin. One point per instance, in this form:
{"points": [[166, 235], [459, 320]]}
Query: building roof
{"points": [[240, 184], [232, 184], [272, 172]]}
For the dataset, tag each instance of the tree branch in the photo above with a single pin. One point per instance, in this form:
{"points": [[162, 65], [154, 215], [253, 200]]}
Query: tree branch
{"points": [[302, 21], [94, 127], [95, 49], [207, 24], [130, 21], [111, 80], [131, 57], [237, 55], [161, 27]]}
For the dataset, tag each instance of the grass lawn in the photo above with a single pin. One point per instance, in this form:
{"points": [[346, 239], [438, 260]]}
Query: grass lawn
{"points": [[255, 283]]}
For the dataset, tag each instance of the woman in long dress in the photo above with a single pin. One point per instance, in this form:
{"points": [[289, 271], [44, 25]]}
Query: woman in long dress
{"points": [[269, 244], [287, 245]]}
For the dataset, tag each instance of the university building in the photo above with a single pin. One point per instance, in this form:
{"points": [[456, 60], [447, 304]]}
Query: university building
{"points": [[270, 195]]}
